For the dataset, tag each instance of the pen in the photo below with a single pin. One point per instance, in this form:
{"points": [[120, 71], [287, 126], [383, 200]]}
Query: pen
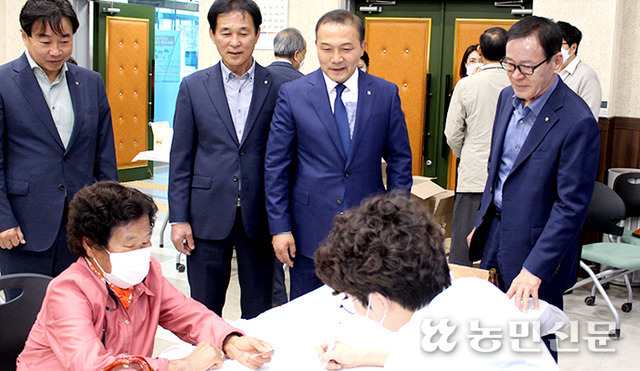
{"points": [[330, 347]]}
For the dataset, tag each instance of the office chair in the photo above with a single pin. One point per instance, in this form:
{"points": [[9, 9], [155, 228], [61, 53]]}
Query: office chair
{"points": [[18, 315], [605, 213], [627, 186]]}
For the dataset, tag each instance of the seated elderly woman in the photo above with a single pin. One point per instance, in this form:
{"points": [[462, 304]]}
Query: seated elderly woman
{"points": [[387, 257], [109, 303]]}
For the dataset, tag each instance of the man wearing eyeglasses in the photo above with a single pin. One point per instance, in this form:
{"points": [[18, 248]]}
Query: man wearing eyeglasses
{"points": [[542, 168]]}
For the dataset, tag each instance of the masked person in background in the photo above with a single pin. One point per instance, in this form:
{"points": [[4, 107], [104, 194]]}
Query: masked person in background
{"points": [[109, 303]]}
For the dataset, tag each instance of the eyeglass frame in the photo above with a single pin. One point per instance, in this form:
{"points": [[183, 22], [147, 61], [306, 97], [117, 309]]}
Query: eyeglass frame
{"points": [[517, 66]]}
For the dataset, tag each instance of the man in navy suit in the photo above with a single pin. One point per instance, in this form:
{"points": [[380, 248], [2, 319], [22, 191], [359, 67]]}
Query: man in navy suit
{"points": [[338, 122], [55, 138], [542, 168], [216, 172], [290, 50]]}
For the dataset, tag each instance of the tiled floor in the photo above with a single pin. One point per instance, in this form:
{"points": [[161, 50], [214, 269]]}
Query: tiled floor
{"points": [[585, 353]]}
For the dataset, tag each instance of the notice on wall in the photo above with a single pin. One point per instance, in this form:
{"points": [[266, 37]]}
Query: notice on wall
{"points": [[275, 15]]}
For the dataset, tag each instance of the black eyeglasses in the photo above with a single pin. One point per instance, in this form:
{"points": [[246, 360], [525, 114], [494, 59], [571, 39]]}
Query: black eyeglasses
{"points": [[524, 69]]}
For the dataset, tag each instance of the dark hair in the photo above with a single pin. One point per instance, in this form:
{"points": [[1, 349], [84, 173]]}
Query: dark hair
{"points": [[226, 6], [390, 245], [548, 33], [47, 12], [571, 34], [365, 58], [97, 209], [344, 17], [463, 67], [492, 43], [287, 42]]}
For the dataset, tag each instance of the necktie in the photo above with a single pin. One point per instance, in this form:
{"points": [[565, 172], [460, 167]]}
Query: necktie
{"points": [[342, 119]]}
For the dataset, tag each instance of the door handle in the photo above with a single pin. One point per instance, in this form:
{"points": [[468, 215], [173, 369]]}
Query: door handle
{"points": [[447, 100], [425, 129]]}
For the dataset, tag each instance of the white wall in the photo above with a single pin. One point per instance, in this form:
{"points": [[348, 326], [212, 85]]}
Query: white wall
{"points": [[11, 45], [303, 15], [610, 44]]}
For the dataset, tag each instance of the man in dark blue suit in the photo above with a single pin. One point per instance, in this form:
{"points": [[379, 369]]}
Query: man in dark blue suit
{"points": [[338, 122], [216, 172], [290, 50], [55, 138], [542, 168]]}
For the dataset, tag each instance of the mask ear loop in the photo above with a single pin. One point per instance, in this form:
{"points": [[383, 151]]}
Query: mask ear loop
{"points": [[369, 308]]}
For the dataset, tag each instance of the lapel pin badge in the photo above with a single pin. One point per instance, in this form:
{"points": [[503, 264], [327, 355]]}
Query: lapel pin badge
{"points": [[77, 83], [266, 82], [546, 119], [368, 92]]}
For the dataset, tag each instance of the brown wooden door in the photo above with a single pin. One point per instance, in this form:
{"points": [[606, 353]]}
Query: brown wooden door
{"points": [[398, 50]]}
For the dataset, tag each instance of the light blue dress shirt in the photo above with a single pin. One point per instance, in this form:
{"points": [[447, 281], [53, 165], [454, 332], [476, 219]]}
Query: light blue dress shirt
{"points": [[520, 125], [239, 90], [58, 98]]}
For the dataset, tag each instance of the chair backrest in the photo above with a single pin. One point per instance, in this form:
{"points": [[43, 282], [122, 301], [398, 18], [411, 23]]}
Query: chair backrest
{"points": [[627, 186], [605, 211], [18, 315]]}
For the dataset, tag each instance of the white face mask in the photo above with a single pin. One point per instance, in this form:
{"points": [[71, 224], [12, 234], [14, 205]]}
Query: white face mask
{"points": [[472, 67], [300, 63], [565, 54], [128, 268]]}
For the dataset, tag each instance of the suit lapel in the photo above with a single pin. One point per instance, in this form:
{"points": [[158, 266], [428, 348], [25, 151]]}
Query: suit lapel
{"points": [[501, 129], [544, 122], [28, 85], [363, 111], [218, 97], [317, 95], [262, 83], [77, 99]]}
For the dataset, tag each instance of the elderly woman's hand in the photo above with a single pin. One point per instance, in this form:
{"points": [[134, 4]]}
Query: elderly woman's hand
{"points": [[249, 351], [204, 357], [339, 356]]}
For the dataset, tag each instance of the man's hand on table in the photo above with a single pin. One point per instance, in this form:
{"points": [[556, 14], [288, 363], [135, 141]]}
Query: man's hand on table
{"points": [[204, 357], [285, 248], [249, 351], [525, 285]]}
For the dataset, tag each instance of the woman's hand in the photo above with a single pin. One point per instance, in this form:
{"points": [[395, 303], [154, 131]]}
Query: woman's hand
{"points": [[204, 357], [249, 351], [344, 356]]}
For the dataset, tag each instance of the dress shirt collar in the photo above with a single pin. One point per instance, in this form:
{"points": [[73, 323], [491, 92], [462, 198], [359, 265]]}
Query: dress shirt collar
{"points": [[283, 60], [35, 67], [491, 66], [537, 104], [571, 67], [351, 83], [227, 74]]}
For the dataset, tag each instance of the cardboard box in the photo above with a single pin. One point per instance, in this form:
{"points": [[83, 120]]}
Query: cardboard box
{"points": [[435, 199], [460, 271]]}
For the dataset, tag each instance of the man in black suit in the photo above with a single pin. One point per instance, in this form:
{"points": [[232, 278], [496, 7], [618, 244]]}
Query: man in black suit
{"points": [[290, 49]]}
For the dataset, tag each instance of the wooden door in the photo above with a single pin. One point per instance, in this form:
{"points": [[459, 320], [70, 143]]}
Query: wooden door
{"points": [[398, 50], [467, 32], [123, 56]]}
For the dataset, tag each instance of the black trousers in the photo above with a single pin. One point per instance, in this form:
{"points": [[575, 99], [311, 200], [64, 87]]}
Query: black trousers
{"points": [[465, 211], [209, 270]]}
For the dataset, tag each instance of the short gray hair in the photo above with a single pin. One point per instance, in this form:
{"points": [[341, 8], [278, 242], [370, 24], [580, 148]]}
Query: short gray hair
{"points": [[287, 42]]}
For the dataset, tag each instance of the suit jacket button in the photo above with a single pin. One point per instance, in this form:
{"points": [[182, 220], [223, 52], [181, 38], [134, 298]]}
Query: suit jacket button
{"points": [[65, 158], [61, 187], [235, 178], [241, 153], [346, 175], [339, 201]]}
